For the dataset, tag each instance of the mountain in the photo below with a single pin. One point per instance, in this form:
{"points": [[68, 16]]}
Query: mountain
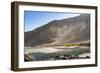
{"points": [[69, 30]]}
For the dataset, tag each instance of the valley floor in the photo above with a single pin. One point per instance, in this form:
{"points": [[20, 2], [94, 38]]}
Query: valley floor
{"points": [[56, 53]]}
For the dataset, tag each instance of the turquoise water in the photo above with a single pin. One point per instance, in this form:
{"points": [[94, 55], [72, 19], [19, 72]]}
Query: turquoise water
{"points": [[40, 56]]}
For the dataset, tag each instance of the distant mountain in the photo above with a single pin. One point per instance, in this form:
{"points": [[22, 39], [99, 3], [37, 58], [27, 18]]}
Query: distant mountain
{"points": [[70, 30]]}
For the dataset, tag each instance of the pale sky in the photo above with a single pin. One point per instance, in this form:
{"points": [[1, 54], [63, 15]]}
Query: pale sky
{"points": [[35, 19]]}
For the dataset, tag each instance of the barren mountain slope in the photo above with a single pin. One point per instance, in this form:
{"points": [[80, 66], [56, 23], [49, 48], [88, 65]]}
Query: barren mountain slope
{"points": [[70, 30]]}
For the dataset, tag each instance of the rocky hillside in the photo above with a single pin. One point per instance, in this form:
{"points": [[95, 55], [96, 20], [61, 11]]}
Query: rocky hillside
{"points": [[70, 30]]}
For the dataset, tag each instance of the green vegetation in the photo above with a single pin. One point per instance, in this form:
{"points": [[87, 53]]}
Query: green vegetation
{"points": [[77, 44]]}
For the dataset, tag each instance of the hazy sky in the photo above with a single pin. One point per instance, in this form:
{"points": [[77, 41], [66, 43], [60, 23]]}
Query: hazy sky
{"points": [[35, 19]]}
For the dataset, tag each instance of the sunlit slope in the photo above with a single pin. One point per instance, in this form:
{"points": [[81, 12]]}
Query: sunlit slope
{"points": [[57, 32]]}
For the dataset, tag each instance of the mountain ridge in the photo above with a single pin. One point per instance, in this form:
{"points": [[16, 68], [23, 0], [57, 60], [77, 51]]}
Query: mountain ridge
{"points": [[70, 30]]}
